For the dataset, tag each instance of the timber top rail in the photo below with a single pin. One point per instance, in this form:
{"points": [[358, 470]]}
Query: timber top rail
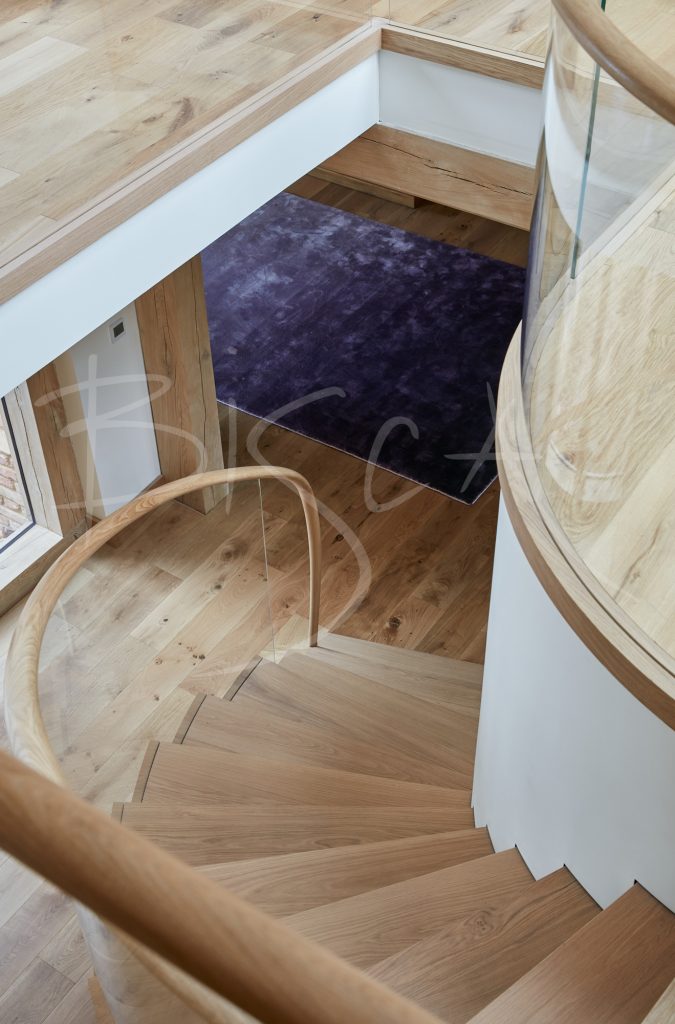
{"points": [[25, 726], [578, 596], [604, 41]]}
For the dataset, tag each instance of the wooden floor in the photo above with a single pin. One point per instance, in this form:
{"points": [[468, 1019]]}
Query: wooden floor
{"points": [[91, 90], [523, 26], [601, 404], [182, 602]]}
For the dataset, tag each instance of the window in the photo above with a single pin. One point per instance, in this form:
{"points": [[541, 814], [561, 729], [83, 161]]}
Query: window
{"points": [[16, 512]]}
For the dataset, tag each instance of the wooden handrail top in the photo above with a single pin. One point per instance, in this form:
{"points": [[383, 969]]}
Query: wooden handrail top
{"points": [[249, 958], [604, 41], [25, 727]]}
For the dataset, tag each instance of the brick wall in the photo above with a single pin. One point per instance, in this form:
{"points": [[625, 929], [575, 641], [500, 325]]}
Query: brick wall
{"points": [[13, 512]]}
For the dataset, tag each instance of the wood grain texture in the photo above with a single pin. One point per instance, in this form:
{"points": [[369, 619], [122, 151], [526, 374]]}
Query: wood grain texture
{"points": [[571, 586], [445, 681], [460, 969], [508, 67], [299, 881], [513, 26], [199, 775], [366, 929], [429, 545], [51, 454], [664, 1011], [238, 727], [176, 344], [480, 184], [218, 939], [611, 972], [322, 696], [154, 95], [600, 37], [23, 716], [223, 833], [599, 392]]}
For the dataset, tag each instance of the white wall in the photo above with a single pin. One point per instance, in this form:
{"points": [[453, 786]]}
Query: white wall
{"points": [[570, 767], [462, 108], [106, 395]]}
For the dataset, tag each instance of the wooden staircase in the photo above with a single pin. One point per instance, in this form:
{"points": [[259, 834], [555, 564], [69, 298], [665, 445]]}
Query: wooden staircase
{"points": [[333, 791]]}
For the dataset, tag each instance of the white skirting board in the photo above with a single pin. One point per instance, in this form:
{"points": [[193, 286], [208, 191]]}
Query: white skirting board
{"points": [[570, 767]]}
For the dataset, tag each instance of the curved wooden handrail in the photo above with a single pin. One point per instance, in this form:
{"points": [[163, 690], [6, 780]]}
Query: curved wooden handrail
{"points": [[25, 726], [247, 957], [165, 911], [590, 611], [604, 41]]}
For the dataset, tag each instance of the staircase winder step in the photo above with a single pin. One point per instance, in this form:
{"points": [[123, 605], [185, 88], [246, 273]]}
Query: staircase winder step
{"points": [[299, 881]]}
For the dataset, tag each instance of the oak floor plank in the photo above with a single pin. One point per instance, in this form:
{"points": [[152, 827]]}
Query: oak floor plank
{"points": [[32, 996]]}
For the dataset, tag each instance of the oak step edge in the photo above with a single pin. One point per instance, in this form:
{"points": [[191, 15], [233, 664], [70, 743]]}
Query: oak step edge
{"points": [[295, 882], [612, 971], [182, 773], [406, 656], [226, 833], [266, 730], [372, 926], [314, 692], [457, 971], [463, 696]]}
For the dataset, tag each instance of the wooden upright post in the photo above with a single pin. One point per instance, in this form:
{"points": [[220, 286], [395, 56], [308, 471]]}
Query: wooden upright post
{"points": [[176, 348]]}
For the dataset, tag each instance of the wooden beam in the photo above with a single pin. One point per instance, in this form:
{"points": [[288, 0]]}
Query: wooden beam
{"points": [[46, 453], [367, 187], [174, 334], [484, 185], [519, 68]]}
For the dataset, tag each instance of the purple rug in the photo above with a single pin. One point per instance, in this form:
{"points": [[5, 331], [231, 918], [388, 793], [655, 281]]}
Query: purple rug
{"points": [[364, 337]]}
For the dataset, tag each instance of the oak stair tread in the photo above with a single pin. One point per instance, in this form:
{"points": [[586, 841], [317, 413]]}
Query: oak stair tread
{"points": [[311, 692], [219, 833], [612, 971], [664, 1011], [186, 774], [460, 969], [373, 926], [415, 662], [442, 681], [299, 881], [245, 726]]}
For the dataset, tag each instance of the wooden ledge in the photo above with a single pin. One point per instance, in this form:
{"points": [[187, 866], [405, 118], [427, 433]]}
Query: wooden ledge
{"points": [[503, 64], [178, 162], [639, 664]]}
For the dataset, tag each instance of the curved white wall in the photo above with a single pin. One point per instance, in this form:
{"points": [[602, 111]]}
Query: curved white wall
{"points": [[570, 767]]}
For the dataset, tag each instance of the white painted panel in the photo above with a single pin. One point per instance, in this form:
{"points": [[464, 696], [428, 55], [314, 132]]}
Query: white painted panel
{"points": [[67, 304], [570, 767], [109, 415], [460, 107]]}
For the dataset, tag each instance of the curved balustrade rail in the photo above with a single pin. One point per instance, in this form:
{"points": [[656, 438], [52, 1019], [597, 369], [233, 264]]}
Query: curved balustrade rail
{"points": [[29, 740], [247, 957], [25, 726], [595, 434]]}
